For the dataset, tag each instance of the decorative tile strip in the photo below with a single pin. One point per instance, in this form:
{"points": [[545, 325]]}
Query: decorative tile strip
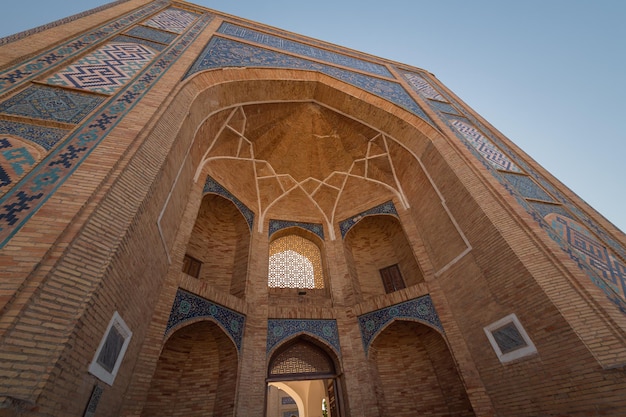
{"points": [[279, 330], [276, 225], [420, 309], [220, 53], [212, 186], [518, 187], [29, 32], [189, 307], [34, 189], [49, 103], [385, 208], [123, 38], [302, 49], [16, 159], [19, 74]]}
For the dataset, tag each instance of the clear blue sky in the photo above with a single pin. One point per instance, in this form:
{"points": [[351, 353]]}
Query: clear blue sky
{"points": [[549, 74]]}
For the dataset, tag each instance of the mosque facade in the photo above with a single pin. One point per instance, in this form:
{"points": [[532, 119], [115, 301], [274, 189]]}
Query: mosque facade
{"points": [[201, 215]]}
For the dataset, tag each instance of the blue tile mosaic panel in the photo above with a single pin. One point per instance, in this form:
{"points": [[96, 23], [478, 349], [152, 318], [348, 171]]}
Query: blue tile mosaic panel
{"points": [[276, 225], [151, 34], [212, 186], [46, 137], [279, 330], [422, 87], [588, 249], [222, 52], [127, 39], [420, 309], [16, 159], [302, 49], [385, 208], [173, 20], [106, 69], [34, 67], [443, 107], [25, 198], [484, 146], [527, 187], [188, 307], [48, 103]]}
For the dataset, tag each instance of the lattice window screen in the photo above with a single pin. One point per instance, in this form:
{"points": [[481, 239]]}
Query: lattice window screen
{"points": [[302, 358], [295, 262]]}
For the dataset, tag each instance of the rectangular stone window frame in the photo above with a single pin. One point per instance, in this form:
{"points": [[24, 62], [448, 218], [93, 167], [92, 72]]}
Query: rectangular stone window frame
{"points": [[116, 328], [526, 350]]}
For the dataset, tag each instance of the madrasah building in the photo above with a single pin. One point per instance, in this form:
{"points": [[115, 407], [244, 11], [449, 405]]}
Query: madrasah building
{"points": [[201, 215]]}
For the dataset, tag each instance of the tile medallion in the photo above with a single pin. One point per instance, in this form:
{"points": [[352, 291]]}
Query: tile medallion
{"points": [[276, 225], [172, 20], [37, 65], [220, 53], [279, 330], [106, 69], [213, 187], [189, 307], [385, 208], [420, 309], [299, 48], [49, 103], [25, 198]]}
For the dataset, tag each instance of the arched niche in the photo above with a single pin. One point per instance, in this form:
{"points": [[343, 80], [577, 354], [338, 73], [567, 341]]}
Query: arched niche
{"points": [[376, 243], [196, 374], [414, 373], [220, 241], [309, 371]]}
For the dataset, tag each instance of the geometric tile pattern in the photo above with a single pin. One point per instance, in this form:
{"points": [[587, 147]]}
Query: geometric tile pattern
{"points": [[222, 52], [37, 65], [443, 107], [16, 159], [276, 225], [419, 309], [172, 20], [385, 208], [46, 137], [33, 190], [151, 34], [188, 307], [588, 249], [106, 69], [29, 32], [213, 187], [422, 87], [302, 49], [527, 187], [484, 146], [48, 103], [282, 329], [150, 44]]}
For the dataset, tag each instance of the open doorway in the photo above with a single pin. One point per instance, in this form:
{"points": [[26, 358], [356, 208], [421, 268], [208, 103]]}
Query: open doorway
{"points": [[303, 381]]}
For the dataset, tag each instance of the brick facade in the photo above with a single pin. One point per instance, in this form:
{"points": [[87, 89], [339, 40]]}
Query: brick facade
{"points": [[100, 207]]}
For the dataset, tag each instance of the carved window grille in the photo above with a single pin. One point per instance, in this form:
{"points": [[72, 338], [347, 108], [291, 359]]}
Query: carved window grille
{"points": [[295, 262], [509, 339], [302, 359], [392, 278]]}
